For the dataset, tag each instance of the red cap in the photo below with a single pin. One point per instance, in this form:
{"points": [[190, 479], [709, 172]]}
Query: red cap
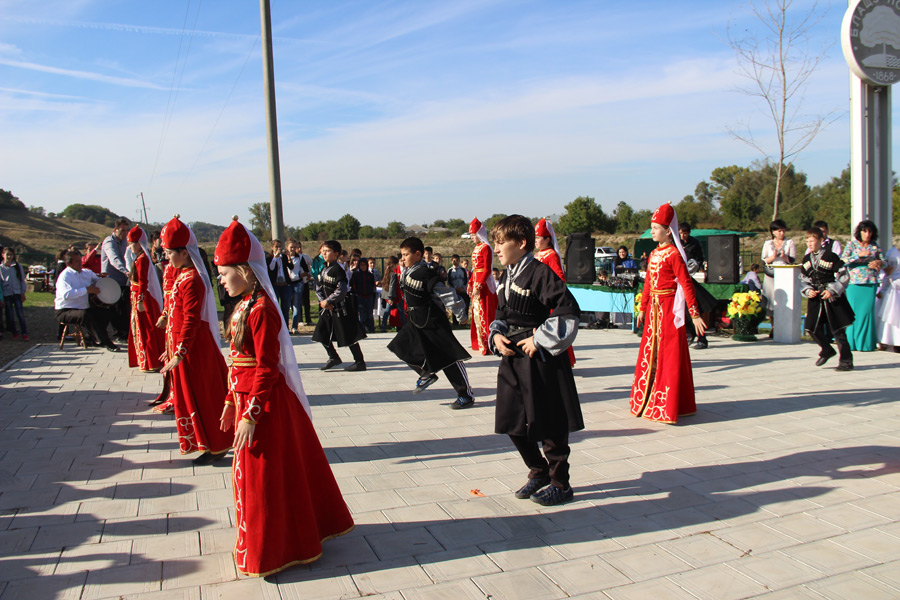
{"points": [[234, 245], [663, 215], [135, 233], [474, 226], [541, 229], [175, 234]]}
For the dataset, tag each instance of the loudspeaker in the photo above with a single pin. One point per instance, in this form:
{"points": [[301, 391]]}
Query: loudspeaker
{"points": [[722, 262], [580, 258]]}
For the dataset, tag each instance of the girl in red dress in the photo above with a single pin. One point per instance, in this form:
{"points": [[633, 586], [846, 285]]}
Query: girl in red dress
{"points": [[196, 365], [663, 386], [146, 342], [546, 250], [285, 497], [482, 288]]}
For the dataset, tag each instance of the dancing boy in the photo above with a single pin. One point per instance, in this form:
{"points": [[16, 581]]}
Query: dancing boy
{"points": [[536, 396]]}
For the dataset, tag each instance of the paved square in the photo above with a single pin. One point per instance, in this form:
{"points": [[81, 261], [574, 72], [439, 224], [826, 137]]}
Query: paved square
{"points": [[786, 483]]}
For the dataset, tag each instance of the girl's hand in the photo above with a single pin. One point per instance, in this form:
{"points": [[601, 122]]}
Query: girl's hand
{"points": [[140, 307], [226, 421], [170, 365], [699, 325], [161, 322], [640, 319], [244, 435]]}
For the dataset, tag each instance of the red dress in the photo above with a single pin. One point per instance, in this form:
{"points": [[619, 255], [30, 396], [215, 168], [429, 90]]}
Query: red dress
{"points": [[549, 257], [484, 301], [286, 499], [146, 342], [199, 382], [663, 386]]}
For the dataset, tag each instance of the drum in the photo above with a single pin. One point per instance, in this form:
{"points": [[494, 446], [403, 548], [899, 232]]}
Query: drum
{"points": [[110, 292]]}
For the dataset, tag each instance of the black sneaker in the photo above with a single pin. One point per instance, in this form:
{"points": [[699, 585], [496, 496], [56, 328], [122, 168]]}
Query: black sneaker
{"points": [[359, 365], [112, 347], [531, 487], [462, 403], [843, 367], [423, 383], [552, 495], [701, 345], [824, 359], [332, 362]]}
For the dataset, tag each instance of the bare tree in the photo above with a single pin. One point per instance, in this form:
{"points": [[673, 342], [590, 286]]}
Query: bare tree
{"points": [[778, 62]]}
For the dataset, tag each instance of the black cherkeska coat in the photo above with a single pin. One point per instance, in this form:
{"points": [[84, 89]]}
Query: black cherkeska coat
{"points": [[536, 397]]}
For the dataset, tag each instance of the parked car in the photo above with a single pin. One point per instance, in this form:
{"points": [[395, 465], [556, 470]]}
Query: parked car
{"points": [[466, 236]]}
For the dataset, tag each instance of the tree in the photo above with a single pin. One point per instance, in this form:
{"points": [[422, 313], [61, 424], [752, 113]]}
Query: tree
{"points": [[346, 228], [207, 232], [831, 202], [8, 200], [778, 64], [38, 210], [396, 229], [317, 231], [261, 220], [90, 213], [366, 232], [584, 214]]}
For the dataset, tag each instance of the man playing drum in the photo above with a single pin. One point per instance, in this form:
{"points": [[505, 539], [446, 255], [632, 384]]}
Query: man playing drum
{"points": [[73, 289]]}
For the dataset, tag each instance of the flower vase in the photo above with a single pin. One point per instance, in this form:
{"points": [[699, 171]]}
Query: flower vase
{"points": [[744, 329]]}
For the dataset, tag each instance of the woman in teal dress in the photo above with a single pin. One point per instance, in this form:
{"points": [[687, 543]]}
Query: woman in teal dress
{"points": [[863, 260]]}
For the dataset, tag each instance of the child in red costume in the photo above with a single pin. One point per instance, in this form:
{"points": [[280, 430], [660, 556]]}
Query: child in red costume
{"points": [[197, 368], [663, 386], [546, 250], [286, 499], [146, 342], [482, 288]]}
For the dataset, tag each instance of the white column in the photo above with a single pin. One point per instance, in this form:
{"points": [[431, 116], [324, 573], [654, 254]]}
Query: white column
{"points": [[786, 310]]}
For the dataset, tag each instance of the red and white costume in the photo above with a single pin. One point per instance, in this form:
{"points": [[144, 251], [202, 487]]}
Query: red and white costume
{"points": [[199, 381], [551, 258], [482, 288], [146, 342], [286, 499], [663, 386]]}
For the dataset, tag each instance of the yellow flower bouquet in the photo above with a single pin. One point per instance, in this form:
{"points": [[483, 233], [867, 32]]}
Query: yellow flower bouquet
{"points": [[745, 311]]}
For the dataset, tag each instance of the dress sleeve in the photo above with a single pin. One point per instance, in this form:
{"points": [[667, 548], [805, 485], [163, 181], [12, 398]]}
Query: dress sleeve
{"points": [[265, 325], [191, 296], [554, 263], [142, 270], [481, 270]]}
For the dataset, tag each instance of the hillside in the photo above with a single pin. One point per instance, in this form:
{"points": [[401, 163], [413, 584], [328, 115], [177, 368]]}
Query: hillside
{"points": [[39, 238]]}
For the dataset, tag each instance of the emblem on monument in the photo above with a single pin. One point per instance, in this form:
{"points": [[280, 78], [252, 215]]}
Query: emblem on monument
{"points": [[870, 37]]}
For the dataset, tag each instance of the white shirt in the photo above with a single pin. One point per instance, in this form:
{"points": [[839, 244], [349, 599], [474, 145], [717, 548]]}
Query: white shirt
{"points": [[71, 288]]}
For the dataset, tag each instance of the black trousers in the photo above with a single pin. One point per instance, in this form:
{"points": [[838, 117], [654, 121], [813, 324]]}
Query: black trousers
{"points": [[457, 376], [93, 321], [555, 465], [121, 313], [355, 350], [822, 337]]}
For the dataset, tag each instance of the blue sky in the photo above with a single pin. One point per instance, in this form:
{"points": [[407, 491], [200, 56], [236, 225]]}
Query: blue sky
{"points": [[409, 111]]}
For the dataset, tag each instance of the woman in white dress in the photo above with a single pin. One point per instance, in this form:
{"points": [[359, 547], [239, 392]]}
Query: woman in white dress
{"points": [[887, 307]]}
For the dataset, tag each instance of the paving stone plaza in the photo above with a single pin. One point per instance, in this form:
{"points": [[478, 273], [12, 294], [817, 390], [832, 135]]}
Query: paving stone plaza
{"points": [[786, 484]]}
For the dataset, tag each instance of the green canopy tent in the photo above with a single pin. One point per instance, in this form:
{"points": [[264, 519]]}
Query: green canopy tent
{"points": [[698, 233]]}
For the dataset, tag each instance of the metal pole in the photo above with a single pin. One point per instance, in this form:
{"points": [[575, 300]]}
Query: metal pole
{"points": [[271, 122], [144, 206]]}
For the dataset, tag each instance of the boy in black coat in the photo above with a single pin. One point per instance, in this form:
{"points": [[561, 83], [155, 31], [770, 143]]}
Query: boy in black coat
{"points": [[338, 315], [823, 280], [536, 396], [426, 343]]}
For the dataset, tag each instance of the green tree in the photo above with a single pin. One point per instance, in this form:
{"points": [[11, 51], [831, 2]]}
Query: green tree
{"points": [[91, 213], [346, 228], [38, 210], [207, 232], [366, 232], [831, 202], [261, 220], [317, 231], [396, 229], [584, 214], [8, 200]]}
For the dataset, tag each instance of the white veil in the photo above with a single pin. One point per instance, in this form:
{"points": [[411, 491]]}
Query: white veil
{"points": [[549, 224], [209, 313], [153, 279], [288, 360], [679, 292]]}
